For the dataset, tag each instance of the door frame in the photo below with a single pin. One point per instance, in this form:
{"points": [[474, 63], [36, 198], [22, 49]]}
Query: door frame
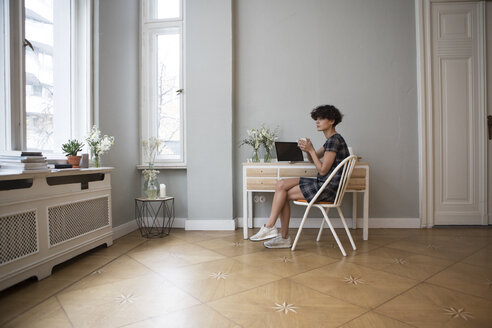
{"points": [[424, 104]]}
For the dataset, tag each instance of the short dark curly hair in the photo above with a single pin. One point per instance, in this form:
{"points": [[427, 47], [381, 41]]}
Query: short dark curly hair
{"points": [[327, 111]]}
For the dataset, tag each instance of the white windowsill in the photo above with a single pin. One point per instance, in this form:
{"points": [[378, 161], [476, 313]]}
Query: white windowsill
{"points": [[163, 166]]}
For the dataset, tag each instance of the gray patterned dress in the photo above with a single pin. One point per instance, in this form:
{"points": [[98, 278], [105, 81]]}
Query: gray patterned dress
{"points": [[310, 186]]}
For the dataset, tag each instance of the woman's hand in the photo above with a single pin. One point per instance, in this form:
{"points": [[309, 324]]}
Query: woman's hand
{"points": [[305, 145]]}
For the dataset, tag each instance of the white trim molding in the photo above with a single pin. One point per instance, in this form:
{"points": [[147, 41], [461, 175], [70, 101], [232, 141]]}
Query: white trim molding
{"points": [[131, 225], [124, 229], [405, 223], [425, 207], [207, 224], [231, 225]]}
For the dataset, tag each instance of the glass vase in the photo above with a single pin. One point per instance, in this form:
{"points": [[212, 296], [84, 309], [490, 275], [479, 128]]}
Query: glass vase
{"points": [[96, 160], [268, 155], [151, 188], [255, 157]]}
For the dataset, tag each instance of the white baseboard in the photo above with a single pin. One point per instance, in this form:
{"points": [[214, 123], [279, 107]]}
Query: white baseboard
{"points": [[210, 224], [124, 229], [337, 223], [131, 225], [231, 225]]}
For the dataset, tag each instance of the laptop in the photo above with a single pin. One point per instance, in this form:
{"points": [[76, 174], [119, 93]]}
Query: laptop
{"points": [[288, 152]]}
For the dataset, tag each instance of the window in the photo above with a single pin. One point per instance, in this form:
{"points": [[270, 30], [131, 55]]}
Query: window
{"points": [[3, 80], [46, 75], [162, 109]]}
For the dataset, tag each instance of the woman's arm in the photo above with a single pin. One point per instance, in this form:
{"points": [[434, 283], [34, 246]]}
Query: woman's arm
{"points": [[314, 156], [319, 154], [328, 160]]}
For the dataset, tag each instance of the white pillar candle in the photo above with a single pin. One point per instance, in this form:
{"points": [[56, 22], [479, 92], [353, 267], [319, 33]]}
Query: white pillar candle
{"points": [[162, 193]]}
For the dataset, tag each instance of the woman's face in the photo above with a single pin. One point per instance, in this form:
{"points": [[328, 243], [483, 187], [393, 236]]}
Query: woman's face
{"points": [[323, 124]]}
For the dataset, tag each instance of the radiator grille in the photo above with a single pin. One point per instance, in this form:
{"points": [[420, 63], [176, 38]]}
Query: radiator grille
{"points": [[18, 236], [72, 220]]}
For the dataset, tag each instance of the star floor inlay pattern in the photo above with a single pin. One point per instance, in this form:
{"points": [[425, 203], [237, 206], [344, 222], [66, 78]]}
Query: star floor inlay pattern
{"points": [[398, 278]]}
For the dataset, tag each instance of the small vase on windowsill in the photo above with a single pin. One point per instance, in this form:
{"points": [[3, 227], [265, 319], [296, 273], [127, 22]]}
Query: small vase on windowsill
{"points": [[95, 161]]}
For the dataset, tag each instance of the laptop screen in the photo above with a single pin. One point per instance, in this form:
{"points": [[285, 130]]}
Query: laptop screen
{"points": [[288, 151]]}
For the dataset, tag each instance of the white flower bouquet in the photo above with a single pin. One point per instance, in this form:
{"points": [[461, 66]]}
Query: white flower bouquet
{"points": [[98, 144], [150, 174], [268, 139], [262, 136], [151, 149], [253, 139]]}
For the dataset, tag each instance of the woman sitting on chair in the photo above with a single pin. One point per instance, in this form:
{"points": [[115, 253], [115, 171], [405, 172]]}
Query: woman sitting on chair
{"points": [[326, 159]]}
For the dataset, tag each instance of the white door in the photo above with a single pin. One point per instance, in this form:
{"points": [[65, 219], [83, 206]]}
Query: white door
{"points": [[458, 113]]}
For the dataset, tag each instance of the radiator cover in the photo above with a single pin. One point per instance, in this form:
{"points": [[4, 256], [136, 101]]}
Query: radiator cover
{"points": [[18, 236], [72, 220]]}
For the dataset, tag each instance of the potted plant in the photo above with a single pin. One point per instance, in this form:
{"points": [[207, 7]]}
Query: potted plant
{"points": [[71, 148]]}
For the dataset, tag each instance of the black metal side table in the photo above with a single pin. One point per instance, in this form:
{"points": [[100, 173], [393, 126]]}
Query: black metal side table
{"points": [[154, 222]]}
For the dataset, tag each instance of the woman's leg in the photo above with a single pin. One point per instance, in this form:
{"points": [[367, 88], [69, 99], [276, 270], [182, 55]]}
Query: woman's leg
{"points": [[285, 219], [293, 193], [280, 199]]}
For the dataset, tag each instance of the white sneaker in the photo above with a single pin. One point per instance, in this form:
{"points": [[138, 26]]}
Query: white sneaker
{"points": [[264, 233], [278, 242]]}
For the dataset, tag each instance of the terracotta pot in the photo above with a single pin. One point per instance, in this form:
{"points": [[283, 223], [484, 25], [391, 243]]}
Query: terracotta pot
{"points": [[74, 160]]}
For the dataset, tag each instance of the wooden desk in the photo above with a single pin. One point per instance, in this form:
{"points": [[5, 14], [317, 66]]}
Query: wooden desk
{"points": [[263, 177]]}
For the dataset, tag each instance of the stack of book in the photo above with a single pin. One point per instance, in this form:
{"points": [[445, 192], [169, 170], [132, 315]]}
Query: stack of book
{"points": [[27, 162]]}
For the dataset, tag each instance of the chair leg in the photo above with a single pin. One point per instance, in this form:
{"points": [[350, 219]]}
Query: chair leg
{"points": [[346, 228], [321, 228], [300, 228], [333, 231]]}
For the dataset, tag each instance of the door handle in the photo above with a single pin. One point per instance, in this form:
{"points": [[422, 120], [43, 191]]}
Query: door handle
{"points": [[489, 124]]}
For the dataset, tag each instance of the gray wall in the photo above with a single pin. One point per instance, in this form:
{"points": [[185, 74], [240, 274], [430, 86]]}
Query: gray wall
{"points": [[287, 57], [209, 109], [358, 55], [118, 100], [2, 80], [489, 99], [118, 109]]}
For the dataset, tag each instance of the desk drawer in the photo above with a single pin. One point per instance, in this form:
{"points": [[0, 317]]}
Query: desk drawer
{"points": [[356, 183], [261, 172], [261, 184], [297, 172], [358, 173]]}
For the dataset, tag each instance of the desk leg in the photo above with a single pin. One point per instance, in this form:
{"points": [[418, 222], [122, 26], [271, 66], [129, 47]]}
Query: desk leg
{"points": [[245, 214], [365, 232], [250, 209], [354, 211]]}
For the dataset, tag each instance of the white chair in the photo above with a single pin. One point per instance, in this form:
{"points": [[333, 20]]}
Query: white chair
{"points": [[346, 166]]}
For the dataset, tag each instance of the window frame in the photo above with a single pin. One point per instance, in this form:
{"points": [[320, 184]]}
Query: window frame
{"points": [[149, 30], [81, 75]]}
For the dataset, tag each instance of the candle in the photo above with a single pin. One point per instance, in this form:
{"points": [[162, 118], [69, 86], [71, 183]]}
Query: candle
{"points": [[162, 193]]}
